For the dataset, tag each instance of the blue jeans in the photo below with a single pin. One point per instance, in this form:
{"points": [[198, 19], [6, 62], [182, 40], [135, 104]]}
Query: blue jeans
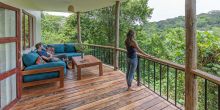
{"points": [[132, 66]]}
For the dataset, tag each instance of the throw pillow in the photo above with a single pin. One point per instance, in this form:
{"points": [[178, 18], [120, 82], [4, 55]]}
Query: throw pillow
{"points": [[30, 58], [40, 61]]}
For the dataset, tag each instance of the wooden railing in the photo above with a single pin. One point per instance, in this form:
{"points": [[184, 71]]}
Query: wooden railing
{"points": [[165, 78]]}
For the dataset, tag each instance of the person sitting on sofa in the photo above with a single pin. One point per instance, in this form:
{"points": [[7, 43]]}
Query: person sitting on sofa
{"points": [[50, 50], [46, 56]]}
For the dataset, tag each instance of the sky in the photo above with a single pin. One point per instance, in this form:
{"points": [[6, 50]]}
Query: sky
{"points": [[164, 9]]}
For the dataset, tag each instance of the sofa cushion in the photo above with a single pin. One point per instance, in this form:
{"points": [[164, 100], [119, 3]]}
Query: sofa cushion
{"points": [[47, 65], [42, 76], [69, 48], [73, 54], [59, 48], [70, 55], [30, 58]]}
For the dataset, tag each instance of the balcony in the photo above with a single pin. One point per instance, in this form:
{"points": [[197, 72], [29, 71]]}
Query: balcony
{"points": [[92, 92], [158, 86]]}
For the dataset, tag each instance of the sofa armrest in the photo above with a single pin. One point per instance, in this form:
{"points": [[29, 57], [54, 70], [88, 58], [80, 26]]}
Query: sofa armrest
{"points": [[44, 70]]}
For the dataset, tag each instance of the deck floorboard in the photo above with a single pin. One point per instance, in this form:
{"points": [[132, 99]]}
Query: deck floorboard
{"points": [[107, 92]]}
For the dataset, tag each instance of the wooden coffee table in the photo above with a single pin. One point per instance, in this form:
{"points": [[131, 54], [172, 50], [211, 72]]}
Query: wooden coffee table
{"points": [[88, 61]]}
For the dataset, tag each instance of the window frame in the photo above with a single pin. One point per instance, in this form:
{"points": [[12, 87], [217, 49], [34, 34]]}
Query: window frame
{"points": [[30, 30]]}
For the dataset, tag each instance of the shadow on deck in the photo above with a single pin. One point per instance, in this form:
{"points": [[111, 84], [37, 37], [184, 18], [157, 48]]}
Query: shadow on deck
{"points": [[107, 92]]}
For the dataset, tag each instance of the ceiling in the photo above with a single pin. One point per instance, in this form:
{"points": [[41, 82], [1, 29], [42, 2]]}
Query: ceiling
{"points": [[60, 5]]}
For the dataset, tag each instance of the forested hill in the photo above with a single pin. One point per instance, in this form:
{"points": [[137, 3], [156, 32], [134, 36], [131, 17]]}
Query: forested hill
{"points": [[206, 21]]}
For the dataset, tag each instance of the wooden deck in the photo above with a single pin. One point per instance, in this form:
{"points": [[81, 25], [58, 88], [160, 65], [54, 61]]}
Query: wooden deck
{"points": [[107, 92]]}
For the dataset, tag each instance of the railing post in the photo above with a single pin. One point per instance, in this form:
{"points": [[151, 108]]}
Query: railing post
{"points": [[191, 56], [78, 28], [116, 53], [138, 73]]}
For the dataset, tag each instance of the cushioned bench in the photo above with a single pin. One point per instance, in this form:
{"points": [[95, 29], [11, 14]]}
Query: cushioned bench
{"points": [[35, 74]]}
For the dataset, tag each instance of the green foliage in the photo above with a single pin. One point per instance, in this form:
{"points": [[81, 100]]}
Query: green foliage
{"points": [[55, 29], [206, 22], [209, 52], [98, 26]]}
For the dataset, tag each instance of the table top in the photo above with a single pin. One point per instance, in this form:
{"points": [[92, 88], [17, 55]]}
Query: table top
{"points": [[88, 59]]}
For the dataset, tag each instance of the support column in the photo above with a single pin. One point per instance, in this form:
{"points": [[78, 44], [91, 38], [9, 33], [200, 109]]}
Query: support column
{"points": [[191, 55], [116, 53], [78, 28]]}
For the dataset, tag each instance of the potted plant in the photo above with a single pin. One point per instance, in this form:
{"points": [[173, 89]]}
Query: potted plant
{"points": [[82, 49]]}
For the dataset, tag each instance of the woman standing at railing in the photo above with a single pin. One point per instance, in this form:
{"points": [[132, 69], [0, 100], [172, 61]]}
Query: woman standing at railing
{"points": [[132, 49]]}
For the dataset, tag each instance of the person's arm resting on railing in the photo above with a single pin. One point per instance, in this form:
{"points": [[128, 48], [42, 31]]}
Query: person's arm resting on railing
{"points": [[134, 44]]}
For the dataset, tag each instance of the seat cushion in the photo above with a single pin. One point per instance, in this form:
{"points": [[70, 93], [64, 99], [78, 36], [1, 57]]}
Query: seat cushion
{"points": [[47, 65], [70, 55], [43, 76], [30, 58], [59, 48]]}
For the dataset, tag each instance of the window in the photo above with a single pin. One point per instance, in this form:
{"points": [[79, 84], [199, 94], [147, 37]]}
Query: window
{"points": [[27, 30]]}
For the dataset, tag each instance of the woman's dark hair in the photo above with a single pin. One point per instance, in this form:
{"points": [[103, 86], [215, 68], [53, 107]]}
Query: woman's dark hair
{"points": [[130, 37]]}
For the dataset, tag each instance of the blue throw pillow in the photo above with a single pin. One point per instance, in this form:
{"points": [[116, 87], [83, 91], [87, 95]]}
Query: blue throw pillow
{"points": [[69, 48], [30, 58], [59, 48]]}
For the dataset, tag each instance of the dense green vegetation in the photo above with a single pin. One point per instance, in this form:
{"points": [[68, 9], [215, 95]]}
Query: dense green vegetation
{"points": [[164, 39], [206, 21]]}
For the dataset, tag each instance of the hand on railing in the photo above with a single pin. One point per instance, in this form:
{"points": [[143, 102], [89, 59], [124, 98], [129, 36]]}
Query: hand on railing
{"points": [[150, 56], [146, 55]]}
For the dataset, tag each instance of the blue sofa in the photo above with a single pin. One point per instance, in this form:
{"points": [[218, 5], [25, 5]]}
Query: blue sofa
{"points": [[34, 74], [68, 49]]}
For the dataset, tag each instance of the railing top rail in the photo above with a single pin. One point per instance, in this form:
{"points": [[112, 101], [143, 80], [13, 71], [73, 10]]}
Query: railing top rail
{"points": [[164, 62], [205, 75], [202, 74], [109, 47]]}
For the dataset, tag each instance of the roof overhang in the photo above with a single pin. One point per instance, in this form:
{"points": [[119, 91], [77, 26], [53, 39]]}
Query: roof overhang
{"points": [[60, 5]]}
